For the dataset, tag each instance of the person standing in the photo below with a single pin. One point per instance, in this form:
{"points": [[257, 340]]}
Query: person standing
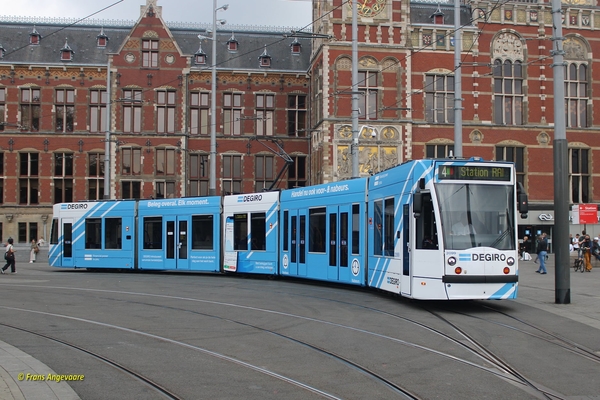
{"points": [[586, 248], [10, 257], [542, 251], [33, 252]]}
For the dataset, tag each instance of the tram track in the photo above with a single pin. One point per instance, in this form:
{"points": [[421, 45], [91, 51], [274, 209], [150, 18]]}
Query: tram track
{"points": [[494, 368], [128, 371], [496, 365], [321, 393]]}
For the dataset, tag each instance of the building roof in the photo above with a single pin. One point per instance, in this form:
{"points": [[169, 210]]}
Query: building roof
{"points": [[83, 40]]}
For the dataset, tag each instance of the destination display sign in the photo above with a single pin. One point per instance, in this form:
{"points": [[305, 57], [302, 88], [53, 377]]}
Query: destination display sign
{"points": [[474, 173]]}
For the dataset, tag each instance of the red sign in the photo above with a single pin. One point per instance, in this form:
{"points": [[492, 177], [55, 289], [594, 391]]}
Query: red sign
{"points": [[588, 214]]}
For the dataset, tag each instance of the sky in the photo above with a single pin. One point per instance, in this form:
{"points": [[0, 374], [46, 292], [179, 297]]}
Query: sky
{"points": [[277, 13]]}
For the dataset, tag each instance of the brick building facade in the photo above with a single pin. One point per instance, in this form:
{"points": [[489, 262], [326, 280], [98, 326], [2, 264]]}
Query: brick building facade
{"points": [[294, 95], [406, 79], [55, 108]]}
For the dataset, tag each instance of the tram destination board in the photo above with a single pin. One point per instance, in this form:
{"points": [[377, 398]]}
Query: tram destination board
{"points": [[474, 173]]}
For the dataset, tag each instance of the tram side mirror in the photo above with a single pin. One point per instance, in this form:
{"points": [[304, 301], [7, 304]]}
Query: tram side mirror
{"points": [[417, 204], [523, 202]]}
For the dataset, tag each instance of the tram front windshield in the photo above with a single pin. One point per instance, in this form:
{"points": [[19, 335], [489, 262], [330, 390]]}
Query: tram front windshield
{"points": [[476, 215]]}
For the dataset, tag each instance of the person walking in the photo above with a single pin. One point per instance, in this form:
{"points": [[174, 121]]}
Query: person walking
{"points": [[542, 251], [10, 257], [33, 252]]}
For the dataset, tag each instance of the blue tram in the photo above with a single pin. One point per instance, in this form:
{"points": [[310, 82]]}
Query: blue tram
{"points": [[426, 229], [167, 234]]}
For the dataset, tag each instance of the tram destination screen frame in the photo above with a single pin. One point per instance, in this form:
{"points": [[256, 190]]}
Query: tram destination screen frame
{"points": [[474, 173]]}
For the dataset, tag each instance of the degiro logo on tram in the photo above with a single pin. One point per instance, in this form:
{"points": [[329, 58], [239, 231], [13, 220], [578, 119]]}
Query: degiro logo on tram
{"points": [[489, 257], [249, 198], [74, 206]]}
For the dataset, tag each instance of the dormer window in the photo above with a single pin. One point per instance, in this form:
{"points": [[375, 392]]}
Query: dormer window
{"points": [[265, 58], [296, 47], [438, 16], [66, 53], [200, 56], [102, 39], [232, 43], [2, 51], [34, 37]]}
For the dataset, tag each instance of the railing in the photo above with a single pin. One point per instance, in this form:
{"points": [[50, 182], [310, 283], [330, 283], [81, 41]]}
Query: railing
{"points": [[119, 23]]}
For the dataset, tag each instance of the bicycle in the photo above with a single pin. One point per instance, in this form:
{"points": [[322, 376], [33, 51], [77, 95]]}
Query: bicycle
{"points": [[579, 265]]}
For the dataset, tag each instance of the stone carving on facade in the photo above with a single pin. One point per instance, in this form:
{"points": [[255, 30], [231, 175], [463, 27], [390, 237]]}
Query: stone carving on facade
{"points": [[476, 136], [508, 46], [543, 138], [344, 64], [150, 34], [574, 49], [389, 133], [367, 62], [344, 132], [510, 143], [344, 161]]}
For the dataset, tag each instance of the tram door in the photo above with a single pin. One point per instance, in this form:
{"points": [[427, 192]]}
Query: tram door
{"points": [[298, 243], [338, 243], [67, 233], [177, 245]]}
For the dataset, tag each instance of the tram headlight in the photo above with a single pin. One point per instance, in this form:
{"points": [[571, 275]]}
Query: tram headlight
{"points": [[510, 261], [451, 261]]}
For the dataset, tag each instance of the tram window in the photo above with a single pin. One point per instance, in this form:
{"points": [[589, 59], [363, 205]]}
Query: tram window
{"points": [[378, 228], [343, 239], [113, 233], [426, 234], [240, 232], [355, 229], [54, 231], [93, 233], [389, 227], [285, 231], [258, 231], [333, 240], [202, 232], [317, 230], [153, 233]]}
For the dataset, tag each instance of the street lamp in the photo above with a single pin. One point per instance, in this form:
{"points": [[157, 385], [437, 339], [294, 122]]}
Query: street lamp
{"points": [[212, 183]]}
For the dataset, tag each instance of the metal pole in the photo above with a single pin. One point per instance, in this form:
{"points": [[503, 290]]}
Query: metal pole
{"points": [[457, 82], [212, 183], [560, 236], [354, 145], [107, 167]]}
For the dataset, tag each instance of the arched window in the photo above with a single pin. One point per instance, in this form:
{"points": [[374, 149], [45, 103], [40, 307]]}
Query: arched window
{"points": [[508, 92]]}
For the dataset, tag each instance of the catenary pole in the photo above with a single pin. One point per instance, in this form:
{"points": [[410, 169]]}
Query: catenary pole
{"points": [[354, 145], [107, 139], [212, 182], [457, 82], [560, 236]]}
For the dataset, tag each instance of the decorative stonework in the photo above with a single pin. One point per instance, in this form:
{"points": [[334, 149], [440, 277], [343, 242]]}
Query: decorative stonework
{"points": [[345, 132], [371, 159], [344, 64], [476, 136], [533, 16], [543, 138], [575, 48], [507, 46], [367, 62], [150, 34]]}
